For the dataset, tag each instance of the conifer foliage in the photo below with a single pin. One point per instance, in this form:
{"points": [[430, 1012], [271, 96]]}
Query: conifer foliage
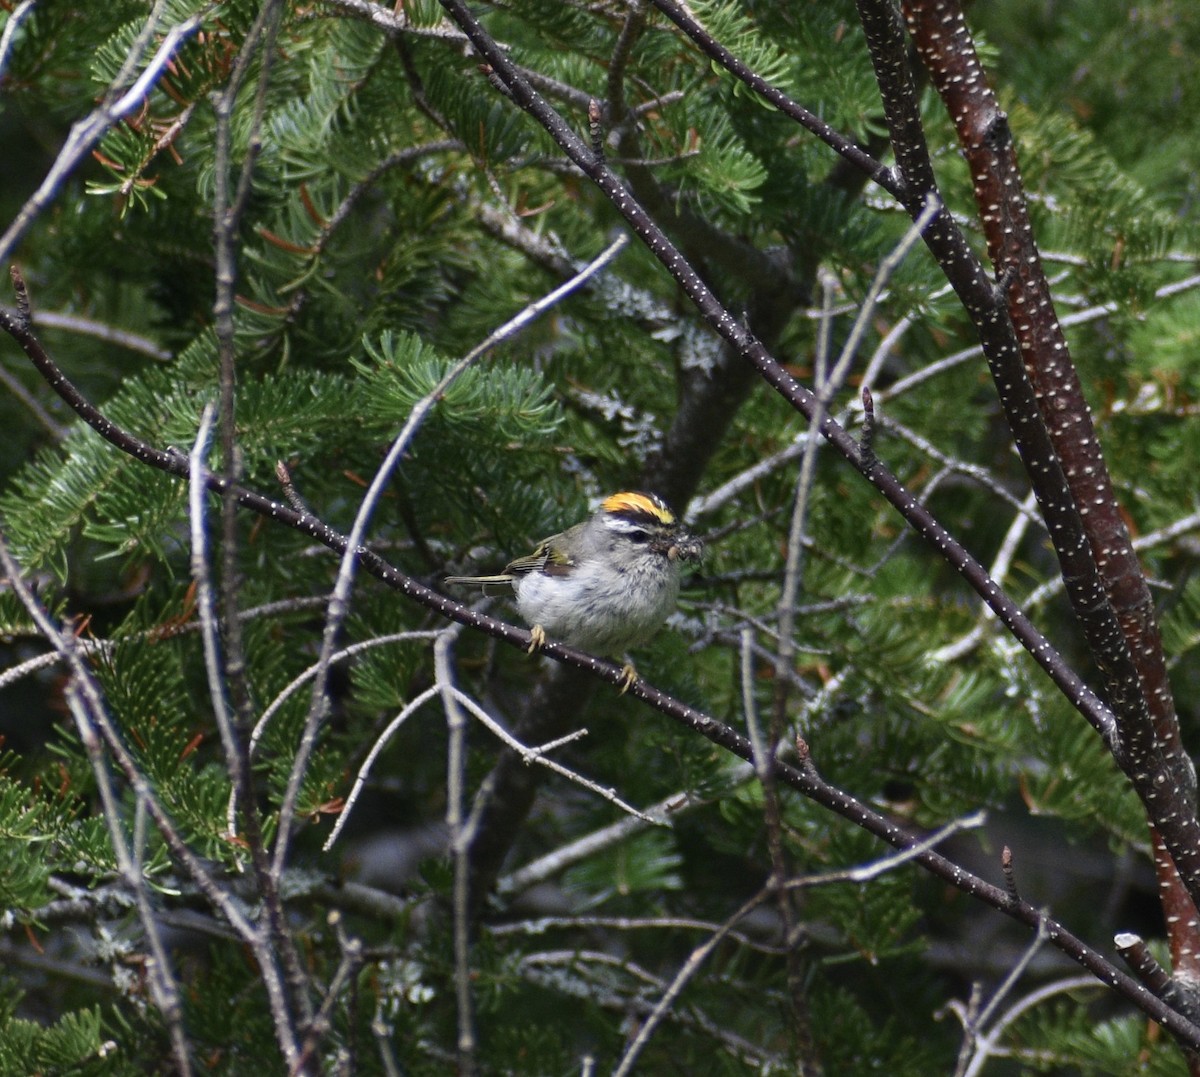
{"points": [[314, 304]]}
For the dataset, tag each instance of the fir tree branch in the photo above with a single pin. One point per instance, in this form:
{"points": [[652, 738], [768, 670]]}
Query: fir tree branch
{"points": [[629, 924], [802, 778], [86, 133], [827, 383], [553, 970], [398, 159], [87, 711], [796, 395], [539, 754], [889, 179], [977, 1017], [101, 726]]}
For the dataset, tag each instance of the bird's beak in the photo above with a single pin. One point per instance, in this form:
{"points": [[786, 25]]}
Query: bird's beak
{"points": [[686, 549]]}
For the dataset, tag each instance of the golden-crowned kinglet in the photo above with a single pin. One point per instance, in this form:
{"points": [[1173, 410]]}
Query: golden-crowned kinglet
{"points": [[605, 584]]}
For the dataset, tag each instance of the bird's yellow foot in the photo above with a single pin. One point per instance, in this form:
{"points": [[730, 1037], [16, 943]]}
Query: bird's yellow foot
{"points": [[537, 639], [628, 676]]}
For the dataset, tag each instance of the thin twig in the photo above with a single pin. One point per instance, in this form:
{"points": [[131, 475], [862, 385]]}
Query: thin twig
{"points": [[206, 603], [34, 406], [749, 477], [986, 1045], [460, 846], [360, 780], [865, 873], [293, 686], [686, 972], [162, 980], [85, 133], [975, 472], [1013, 537], [217, 896], [348, 967], [10, 30], [339, 599], [538, 755], [105, 646], [561, 962], [230, 199], [575, 852], [544, 924], [97, 330], [162, 983]]}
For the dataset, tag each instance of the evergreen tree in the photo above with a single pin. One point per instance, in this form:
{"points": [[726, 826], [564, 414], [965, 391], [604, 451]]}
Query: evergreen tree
{"points": [[316, 304]]}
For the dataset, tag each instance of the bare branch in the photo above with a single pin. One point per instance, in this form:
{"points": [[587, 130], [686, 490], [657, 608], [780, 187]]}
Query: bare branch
{"points": [[85, 133], [351, 553], [804, 779]]}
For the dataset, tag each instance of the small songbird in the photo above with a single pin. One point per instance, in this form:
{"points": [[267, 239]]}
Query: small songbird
{"points": [[606, 584]]}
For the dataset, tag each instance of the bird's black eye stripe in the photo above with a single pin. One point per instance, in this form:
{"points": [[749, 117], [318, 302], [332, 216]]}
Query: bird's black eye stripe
{"points": [[638, 535]]}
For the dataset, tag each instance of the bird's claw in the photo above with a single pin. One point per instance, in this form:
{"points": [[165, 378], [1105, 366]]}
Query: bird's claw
{"points": [[537, 639]]}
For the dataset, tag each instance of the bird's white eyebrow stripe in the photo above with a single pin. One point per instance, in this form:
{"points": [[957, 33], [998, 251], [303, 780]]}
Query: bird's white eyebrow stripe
{"points": [[627, 523]]}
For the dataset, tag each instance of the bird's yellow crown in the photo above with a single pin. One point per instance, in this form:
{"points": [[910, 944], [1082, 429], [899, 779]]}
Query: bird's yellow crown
{"points": [[639, 505]]}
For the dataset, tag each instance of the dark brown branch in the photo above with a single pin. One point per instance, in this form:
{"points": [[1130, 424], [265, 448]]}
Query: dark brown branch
{"points": [[796, 395], [947, 50], [1153, 767], [1130, 649], [1138, 957]]}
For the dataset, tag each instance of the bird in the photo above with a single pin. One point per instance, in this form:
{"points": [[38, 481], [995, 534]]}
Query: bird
{"points": [[605, 585]]}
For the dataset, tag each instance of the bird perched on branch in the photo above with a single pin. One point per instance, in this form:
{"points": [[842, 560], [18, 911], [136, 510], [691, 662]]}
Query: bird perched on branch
{"points": [[606, 584]]}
